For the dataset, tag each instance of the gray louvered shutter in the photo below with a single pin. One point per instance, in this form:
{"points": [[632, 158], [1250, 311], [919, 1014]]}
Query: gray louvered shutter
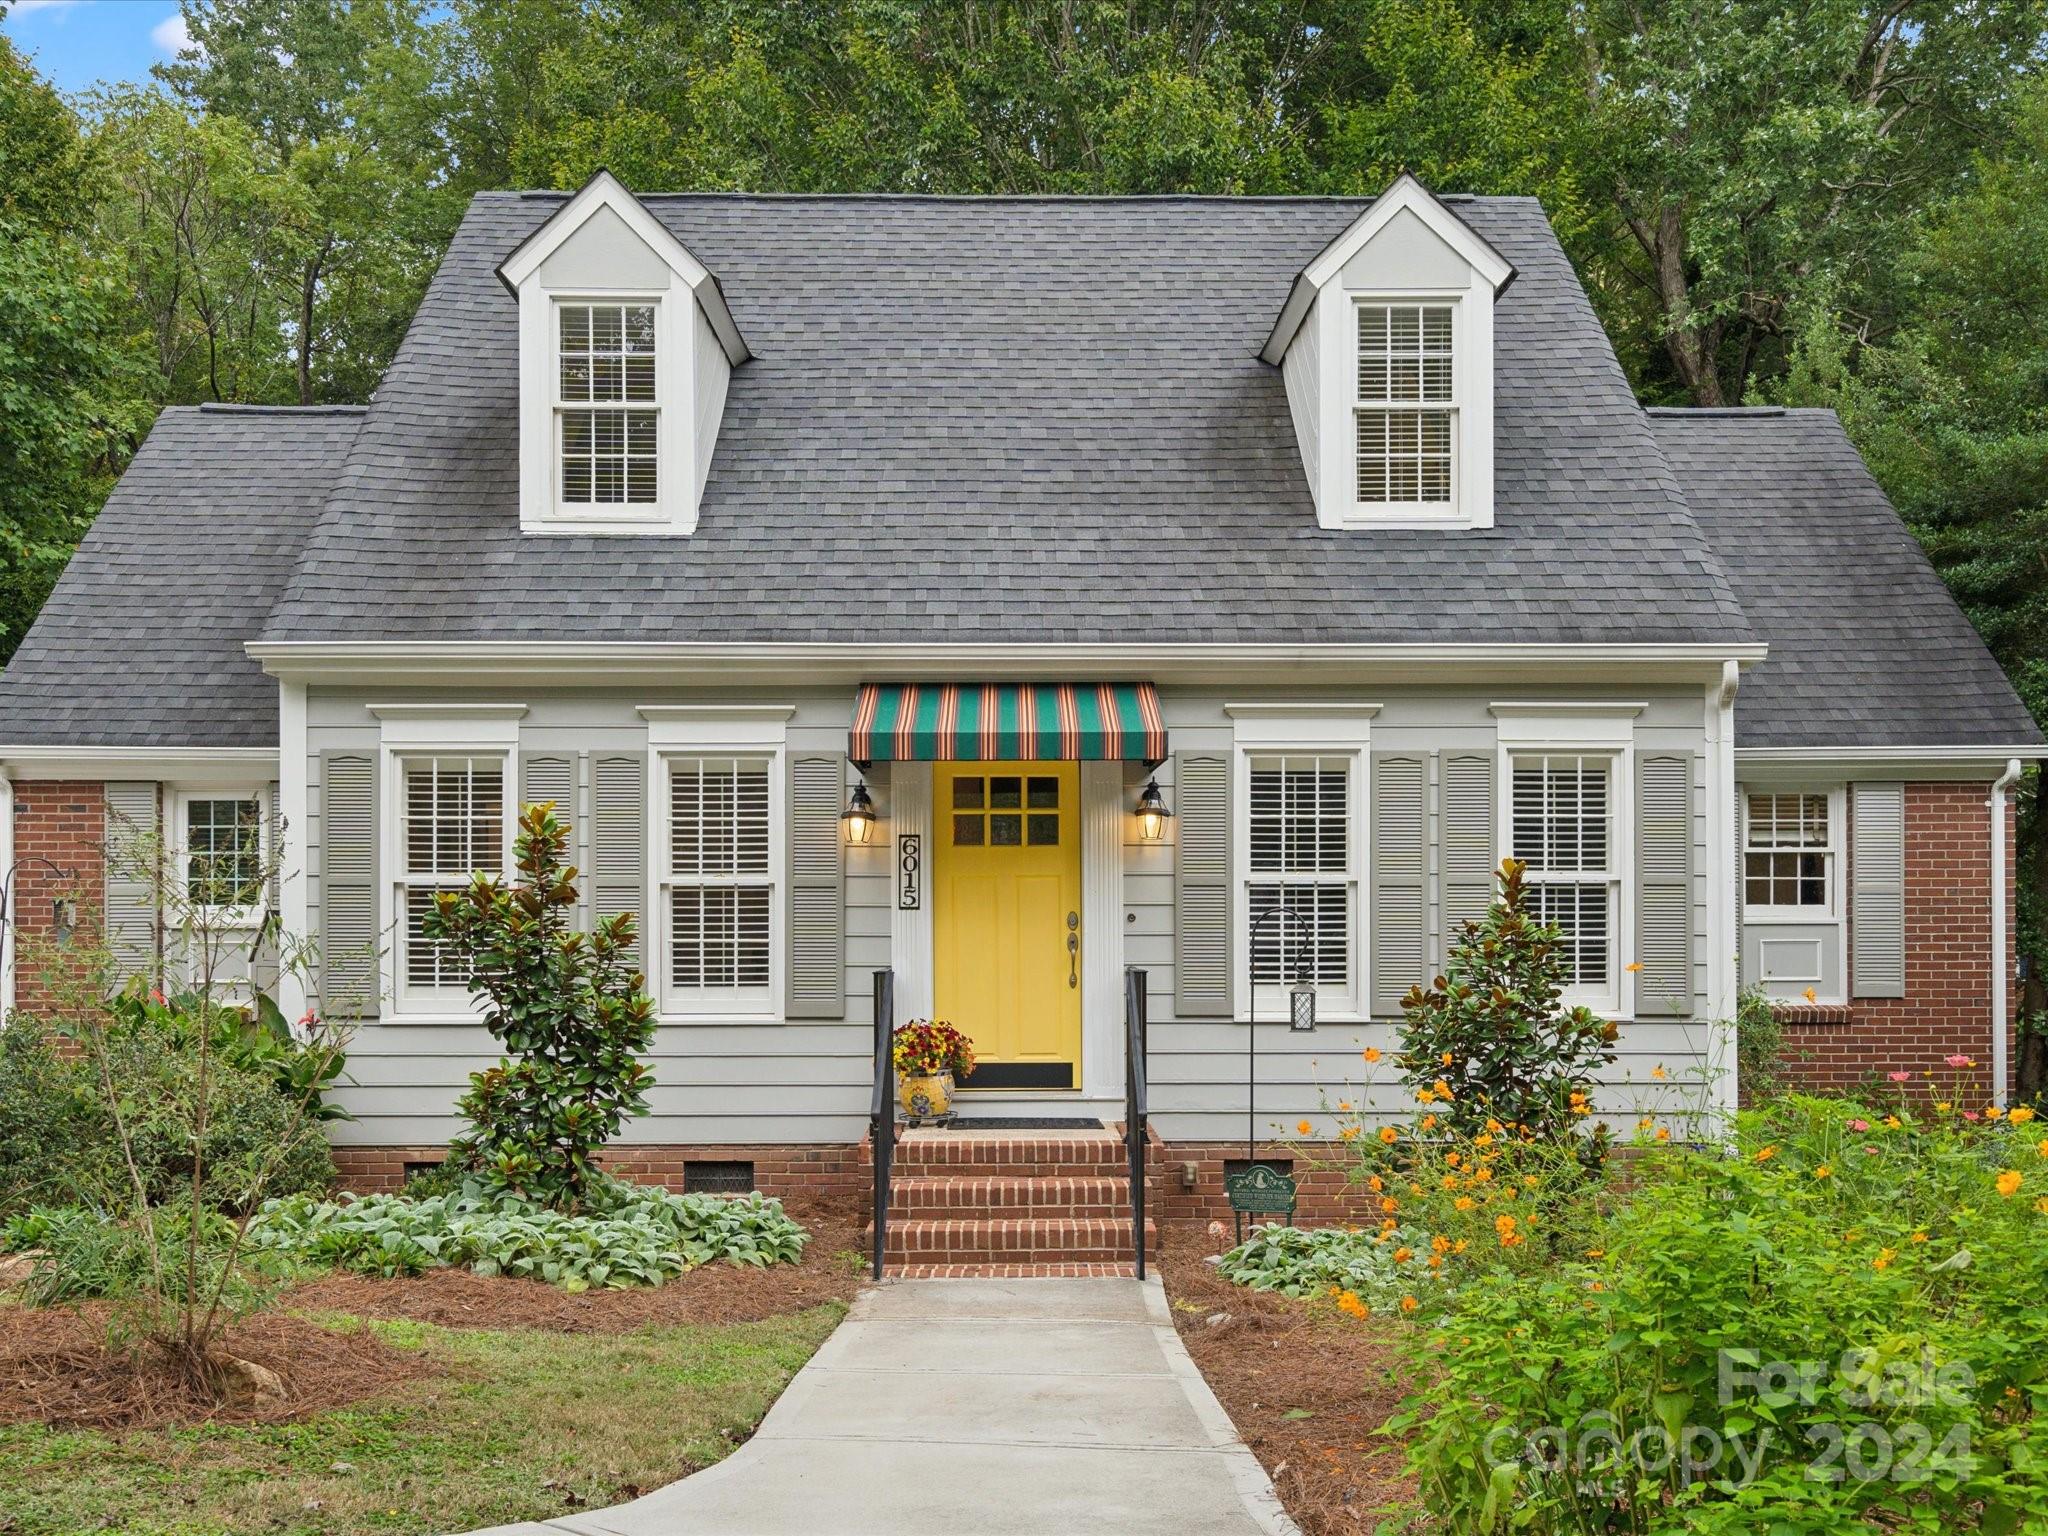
{"points": [[348, 885], [1398, 915], [816, 979], [273, 896], [1201, 886], [1877, 910], [618, 844], [550, 777], [133, 850], [1664, 885], [1468, 841]]}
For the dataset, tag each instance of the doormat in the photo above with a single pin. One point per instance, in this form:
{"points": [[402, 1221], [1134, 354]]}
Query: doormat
{"points": [[1026, 1123]]}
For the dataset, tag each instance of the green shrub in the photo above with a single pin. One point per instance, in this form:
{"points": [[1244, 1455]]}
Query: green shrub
{"points": [[58, 1133], [1841, 1319], [88, 1254], [1759, 1046], [630, 1234], [1381, 1269], [569, 1007], [1489, 1040]]}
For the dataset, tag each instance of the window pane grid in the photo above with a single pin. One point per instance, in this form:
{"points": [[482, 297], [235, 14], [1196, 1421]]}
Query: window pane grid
{"points": [[453, 826], [1563, 830], [1300, 857], [1790, 851], [1403, 448], [224, 852], [607, 451], [720, 897]]}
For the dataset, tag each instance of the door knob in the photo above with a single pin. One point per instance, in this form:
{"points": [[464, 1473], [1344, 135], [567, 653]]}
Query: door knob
{"points": [[1073, 949]]}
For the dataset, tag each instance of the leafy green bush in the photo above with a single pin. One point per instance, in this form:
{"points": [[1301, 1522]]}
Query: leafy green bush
{"points": [[569, 1007], [88, 1254], [1489, 1040], [1837, 1325], [1381, 1269], [255, 1039], [1759, 1046], [58, 1135], [630, 1234]]}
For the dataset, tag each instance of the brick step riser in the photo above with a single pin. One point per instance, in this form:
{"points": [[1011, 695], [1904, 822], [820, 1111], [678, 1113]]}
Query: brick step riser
{"points": [[999, 1242], [1045, 1168], [1071, 1157], [986, 1199]]}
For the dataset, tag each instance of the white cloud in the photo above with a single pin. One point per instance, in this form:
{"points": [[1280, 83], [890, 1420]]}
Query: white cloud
{"points": [[171, 36], [22, 8]]}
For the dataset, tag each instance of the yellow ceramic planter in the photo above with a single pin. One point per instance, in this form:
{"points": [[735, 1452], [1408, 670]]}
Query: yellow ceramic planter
{"points": [[926, 1098]]}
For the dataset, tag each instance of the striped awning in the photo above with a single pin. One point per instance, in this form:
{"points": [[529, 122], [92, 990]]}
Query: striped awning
{"points": [[1005, 722]]}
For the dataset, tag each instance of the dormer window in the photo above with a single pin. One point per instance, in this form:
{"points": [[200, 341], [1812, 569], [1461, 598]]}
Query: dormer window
{"points": [[626, 349], [1406, 404], [607, 416], [1385, 345]]}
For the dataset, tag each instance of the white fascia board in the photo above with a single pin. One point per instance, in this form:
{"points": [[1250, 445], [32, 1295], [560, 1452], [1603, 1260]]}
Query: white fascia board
{"points": [[604, 190], [195, 765], [680, 663], [1405, 194], [1904, 762]]}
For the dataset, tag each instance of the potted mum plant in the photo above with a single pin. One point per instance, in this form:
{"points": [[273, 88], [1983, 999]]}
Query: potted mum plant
{"points": [[929, 1053]]}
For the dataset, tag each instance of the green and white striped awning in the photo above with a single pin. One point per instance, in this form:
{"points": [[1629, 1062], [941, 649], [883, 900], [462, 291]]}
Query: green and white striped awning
{"points": [[1006, 722]]}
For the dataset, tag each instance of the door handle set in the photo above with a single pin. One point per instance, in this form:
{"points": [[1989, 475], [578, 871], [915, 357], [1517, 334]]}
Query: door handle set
{"points": [[1073, 950]]}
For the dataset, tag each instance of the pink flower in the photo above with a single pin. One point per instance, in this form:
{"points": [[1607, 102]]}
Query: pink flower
{"points": [[1971, 1114], [1960, 1061], [1870, 1151], [1859, 1126], [156, 997], [1899, 1077]]}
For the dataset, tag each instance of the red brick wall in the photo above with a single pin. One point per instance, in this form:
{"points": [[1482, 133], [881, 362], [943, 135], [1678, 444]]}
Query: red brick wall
{"points": [[65, 823], [1322, 1195], [1947, 1007]]}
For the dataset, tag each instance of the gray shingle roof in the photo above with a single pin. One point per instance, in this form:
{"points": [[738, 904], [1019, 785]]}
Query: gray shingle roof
{"points": [[141, 643], [1007, 419], [1867, 647]]}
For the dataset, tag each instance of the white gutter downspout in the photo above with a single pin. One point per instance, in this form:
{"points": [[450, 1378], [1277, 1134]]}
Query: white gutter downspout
{"points": [[7, 916], [1999, 1030]]}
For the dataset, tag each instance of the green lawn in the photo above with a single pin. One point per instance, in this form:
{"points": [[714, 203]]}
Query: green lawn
{"points": [[525, 1423]]}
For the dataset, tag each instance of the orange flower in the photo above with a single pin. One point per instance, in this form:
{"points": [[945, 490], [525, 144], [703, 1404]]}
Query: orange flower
{"points": [[1448, 1058], [1371, 1053], [1767, 1154], [1304, 1127], [1375, 1183], [1440, 1243], [1409, 1303], [2009, 1183], [1429, 1122], [1663, 1133], [1823, 1172], [1348, 1301], [1658, 1073], [1443, 1089], [1389, 1203], [1884, 1258], [1347, 1133], [1920, 1237], [1633, 966], [1403, 1255], [1464, 1202], [1389, 1135], [2021, 1115]]}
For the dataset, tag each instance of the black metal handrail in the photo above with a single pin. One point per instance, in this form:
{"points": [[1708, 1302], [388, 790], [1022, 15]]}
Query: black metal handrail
{"points": [[882, 1108], [1135, 1105]]}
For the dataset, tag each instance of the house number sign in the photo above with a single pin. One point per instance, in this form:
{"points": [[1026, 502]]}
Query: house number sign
{"points": [[909, 871]]}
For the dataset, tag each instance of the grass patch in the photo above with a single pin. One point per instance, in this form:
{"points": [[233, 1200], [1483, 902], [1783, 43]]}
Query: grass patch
{"points": [[528, 1425]]}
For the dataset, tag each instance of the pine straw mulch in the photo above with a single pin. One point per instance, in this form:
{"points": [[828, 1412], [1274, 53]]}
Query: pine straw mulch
{"points": [[1307, 1387], [58, 1368], [717, 1293]]}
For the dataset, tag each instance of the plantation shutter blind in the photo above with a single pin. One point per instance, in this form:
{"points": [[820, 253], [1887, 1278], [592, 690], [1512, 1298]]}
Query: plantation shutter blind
{"points": [[1877, 911], [348, 885], [721, 891], [1664, 885], [1201, 886], [618, 845], [816, 982], [551, 776], [1399, 917], [1468, 842], [132, 918]]}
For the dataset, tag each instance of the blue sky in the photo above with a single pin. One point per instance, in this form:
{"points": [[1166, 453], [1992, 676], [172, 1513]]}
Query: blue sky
{"points": [[77, 44]]}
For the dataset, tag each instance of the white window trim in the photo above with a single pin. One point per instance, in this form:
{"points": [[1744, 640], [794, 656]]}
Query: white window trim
{"points": [[1321, 728], [1821, 916], [430, 1005], [182, 797], [716, 730], [1565, 728], [593, 516], [1381, 513]]}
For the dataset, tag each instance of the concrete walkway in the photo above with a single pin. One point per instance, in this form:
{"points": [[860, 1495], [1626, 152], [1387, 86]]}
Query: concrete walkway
{"points": [[978, 1408]]}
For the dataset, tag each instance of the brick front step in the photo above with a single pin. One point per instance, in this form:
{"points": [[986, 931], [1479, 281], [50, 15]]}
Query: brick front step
{"points": [[985, 1196], [1020, 1153], [1103, 1271], [1030, 1240]]}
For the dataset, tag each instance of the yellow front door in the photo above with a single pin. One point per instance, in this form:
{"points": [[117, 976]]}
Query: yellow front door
{"points": [[1006, 918]]}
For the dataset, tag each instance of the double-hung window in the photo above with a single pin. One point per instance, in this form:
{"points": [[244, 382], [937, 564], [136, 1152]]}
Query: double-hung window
{"points": [[718, 886], [1301, 870], [607, 415], [1405, 411], [1788, 856], [222, 855], [452, 825], [1563, 817]]}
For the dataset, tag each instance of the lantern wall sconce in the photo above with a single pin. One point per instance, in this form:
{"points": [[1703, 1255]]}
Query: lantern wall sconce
{"points": [[1301, 1005], [1152, 813], [859, 816]]}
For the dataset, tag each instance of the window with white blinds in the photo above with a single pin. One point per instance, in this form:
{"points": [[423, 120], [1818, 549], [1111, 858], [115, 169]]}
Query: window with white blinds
{"points": [[606, 415], [1405, 404], [1788, 855], [1301, 869], [719, 886], [451, 826], [1563, 829]]}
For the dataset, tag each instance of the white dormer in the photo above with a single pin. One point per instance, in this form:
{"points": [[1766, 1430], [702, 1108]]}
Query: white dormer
{"points": [[625, 350], [1386, 347]]}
